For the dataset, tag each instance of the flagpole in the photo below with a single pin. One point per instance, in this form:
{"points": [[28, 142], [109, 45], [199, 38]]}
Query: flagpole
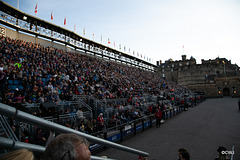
{"points": [[18, 5], [84, 31]]}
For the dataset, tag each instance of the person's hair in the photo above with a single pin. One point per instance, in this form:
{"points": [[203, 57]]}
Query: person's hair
{"points": [[63, 147], [185, 155], [180, 150], [22, 154]]}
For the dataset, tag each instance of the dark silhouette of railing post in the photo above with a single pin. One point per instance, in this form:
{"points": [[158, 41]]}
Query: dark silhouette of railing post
{"points": [[135, 128], [143, 124], [150, 120], [121, 133]]}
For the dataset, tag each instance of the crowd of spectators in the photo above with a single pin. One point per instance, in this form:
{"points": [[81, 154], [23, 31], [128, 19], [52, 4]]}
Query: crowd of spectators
{"points": [[50, 75], [31, 73]]}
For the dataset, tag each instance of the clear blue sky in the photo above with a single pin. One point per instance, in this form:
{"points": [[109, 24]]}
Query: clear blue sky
{"points": [[157, 29]]}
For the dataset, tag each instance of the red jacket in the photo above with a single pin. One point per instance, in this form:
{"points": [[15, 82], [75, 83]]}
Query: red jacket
{"points": [[158, 114], [150, 109], [100, 121]]}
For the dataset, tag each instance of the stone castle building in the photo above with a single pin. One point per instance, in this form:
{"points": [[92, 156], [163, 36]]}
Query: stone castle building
{"points": [[216, 78]]}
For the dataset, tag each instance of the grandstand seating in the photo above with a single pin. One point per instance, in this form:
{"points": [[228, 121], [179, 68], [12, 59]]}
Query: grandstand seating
{"points": [[108, 84]]}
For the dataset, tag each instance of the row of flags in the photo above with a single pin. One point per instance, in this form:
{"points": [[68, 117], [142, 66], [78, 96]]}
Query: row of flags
{"points": [[36, 9], [84, 32]]}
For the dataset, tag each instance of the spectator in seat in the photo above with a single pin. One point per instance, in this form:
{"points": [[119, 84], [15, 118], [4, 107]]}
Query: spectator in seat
{"points": [[136, 114], [123, 118], [25, 136]]}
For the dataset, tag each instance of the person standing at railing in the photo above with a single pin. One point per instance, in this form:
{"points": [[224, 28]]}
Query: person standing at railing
{"points": [[150, 109], [163, 110], [100, 122], [158, 116], [80, 116]]}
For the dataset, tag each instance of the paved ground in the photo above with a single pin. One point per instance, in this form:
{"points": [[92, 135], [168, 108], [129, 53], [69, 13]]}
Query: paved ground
{"points": [[213, 123]]}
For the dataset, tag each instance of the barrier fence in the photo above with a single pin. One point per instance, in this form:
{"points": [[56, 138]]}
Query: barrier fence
{"points": [[22, 116]]}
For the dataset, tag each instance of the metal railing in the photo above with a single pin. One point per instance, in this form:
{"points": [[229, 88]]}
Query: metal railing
{"points": [[82, 103], [7, 129], [10, 144], [22, 116]]}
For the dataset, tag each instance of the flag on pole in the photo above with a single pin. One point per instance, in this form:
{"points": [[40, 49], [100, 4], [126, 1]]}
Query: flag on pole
{"points": [[101, 38], [74, 27], [35, 9], [52, 16], [65, 21], [84, 31], [114, 44], [108, 41], [93, 36]]}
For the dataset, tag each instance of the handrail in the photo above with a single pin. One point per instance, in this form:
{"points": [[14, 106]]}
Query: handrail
{"points": [[7, 143], [7, 129], [19, 115], [83, 103]]}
